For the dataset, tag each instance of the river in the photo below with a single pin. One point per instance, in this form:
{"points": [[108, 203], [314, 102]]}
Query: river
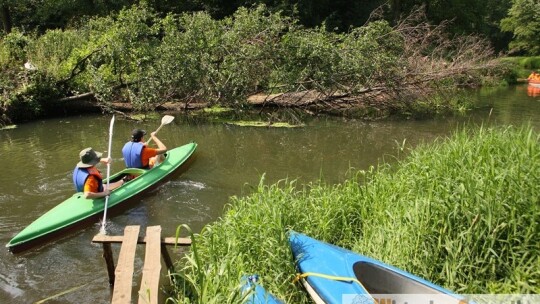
{"points": [[38, 159]]}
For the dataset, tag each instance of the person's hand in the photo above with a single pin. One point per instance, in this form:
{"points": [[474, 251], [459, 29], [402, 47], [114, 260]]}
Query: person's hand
{"points": [[153, 134], [107, 160], [106, 192]]}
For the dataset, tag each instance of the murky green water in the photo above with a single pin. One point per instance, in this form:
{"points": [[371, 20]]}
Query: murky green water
{"points": [[37, 160]]}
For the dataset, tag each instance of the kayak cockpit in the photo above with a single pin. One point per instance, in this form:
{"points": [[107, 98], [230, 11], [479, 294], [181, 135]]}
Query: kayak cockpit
{"points": [[378, 280], [130, 173]]}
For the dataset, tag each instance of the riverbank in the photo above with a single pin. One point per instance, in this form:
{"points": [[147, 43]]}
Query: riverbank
{"points": [[520, 68], [140, 58], [462, 212]]}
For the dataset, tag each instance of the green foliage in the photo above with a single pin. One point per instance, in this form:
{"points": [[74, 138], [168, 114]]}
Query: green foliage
{"points": [[52, 52], [524, 22], [140, 57], [531, 63], [13, 48], [203, 58], [371, 53], [31, 100], [184, 68], [119, 51], [23, 92], [519, 67], [309, 58], [250, 40], [316, 59], [479, 17], [41, 16], [466, 211], [462, 213]]}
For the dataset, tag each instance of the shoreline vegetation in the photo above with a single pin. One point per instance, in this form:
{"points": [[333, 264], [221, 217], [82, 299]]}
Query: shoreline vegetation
{"points": [[139, 61], [462, 212]]}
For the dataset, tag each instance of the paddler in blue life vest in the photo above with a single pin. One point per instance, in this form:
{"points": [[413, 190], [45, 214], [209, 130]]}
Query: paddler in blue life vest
{"points": [[138, 155], [87, 177]]}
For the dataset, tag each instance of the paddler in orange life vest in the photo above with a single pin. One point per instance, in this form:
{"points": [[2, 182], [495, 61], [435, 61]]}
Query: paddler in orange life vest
{"points": [[138, 155], [87, 177]]}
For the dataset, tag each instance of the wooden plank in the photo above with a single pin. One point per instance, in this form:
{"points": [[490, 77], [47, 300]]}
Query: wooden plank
{"points": [[152, 266], [124, 270], [101, 238]]}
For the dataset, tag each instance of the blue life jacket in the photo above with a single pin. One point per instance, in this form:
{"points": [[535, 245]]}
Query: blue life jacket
{"points": [[132, 152], [80, 175]]}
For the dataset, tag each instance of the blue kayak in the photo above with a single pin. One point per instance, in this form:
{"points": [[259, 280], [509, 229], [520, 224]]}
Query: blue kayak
{"points": [[332, 274], [258, 295]]}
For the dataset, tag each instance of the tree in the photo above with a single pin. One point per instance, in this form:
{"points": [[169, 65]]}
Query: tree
{"points": [[5, 15], [523, 21], [477, 17]]}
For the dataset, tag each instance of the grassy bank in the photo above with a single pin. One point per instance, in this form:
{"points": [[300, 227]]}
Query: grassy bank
{"points": [[462, 212], [521, 67]]}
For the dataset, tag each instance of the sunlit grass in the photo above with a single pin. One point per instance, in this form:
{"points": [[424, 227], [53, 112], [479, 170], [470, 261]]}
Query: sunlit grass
{"points": [[463, 212]]}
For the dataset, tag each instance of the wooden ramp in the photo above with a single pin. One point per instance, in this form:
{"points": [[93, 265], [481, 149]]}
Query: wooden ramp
{"points": [[121, 277]]}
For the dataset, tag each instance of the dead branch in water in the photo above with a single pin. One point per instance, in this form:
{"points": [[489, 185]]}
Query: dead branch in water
{"points": [[428, 58]]}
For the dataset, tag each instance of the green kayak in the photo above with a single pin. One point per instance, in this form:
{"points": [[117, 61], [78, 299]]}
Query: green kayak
{"points": [[76, 210]]}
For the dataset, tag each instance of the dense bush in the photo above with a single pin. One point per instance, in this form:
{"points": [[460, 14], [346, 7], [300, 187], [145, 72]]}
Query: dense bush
{"points": [[140, 57]]}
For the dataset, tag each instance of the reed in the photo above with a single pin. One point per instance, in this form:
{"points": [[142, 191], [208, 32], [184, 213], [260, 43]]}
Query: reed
{"points": [[462, 212]]}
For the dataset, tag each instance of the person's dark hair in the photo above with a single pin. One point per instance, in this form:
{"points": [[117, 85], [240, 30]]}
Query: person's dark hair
{"points": [[137, 134]]}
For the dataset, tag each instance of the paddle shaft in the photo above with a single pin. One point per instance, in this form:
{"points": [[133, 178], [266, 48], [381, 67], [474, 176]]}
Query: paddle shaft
{"points": [[167, 119], [148, 142], [108, 175]]}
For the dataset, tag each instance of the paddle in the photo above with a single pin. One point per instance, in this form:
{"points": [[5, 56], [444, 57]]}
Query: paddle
{"points": [[167, 119], [102, 230]]}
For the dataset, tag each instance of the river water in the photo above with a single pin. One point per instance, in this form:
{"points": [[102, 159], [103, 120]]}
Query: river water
{"points": [[38, 158]]}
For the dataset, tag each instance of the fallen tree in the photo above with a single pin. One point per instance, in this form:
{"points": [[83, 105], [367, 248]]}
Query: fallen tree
{"points": [[137, 61]]}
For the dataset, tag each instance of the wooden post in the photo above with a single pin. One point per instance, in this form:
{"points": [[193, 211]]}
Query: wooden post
{"points": [[167, 257], [108, 256]]}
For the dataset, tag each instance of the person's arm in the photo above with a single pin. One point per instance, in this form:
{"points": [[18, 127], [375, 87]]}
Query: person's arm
{"points": [[91, 185], [93, 195], [161, 147]]}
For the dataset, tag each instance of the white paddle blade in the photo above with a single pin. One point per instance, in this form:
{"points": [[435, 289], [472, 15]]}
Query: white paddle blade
{"points": [[111, 125], [167, 119]]}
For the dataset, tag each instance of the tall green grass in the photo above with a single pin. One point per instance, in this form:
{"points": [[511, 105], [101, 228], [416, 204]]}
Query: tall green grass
{"points": [[463, 212]]}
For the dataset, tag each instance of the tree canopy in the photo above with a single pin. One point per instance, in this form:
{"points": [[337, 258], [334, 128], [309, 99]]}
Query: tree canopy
{"points": [[480, 17], [524, 22]]}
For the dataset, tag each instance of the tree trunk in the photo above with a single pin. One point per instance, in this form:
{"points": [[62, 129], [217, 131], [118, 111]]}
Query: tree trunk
{"points": [[395, 6], [6, 18]]}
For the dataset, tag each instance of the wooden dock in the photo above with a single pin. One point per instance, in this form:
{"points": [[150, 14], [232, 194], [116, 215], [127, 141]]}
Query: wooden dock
{"points": [[121, 276]]}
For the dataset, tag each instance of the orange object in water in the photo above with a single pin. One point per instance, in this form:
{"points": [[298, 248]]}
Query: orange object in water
{"points": [[533, 90], [534, 78]]}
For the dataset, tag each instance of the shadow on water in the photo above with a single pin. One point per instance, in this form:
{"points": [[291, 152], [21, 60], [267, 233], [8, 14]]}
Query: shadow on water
{"points": [[38, 159]]}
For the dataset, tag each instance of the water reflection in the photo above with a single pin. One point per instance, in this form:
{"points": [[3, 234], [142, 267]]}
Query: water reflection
{"points": [[533, 90]]}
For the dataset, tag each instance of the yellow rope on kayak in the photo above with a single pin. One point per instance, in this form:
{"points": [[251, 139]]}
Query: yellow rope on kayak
{"points": [[329, 277]]}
